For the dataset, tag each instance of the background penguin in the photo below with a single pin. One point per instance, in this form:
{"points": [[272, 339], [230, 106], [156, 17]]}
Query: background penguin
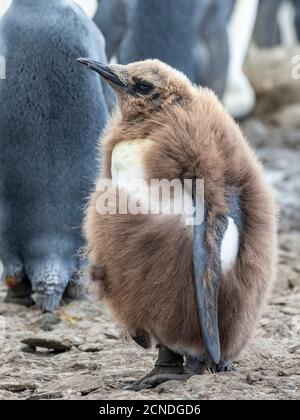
{"points": [[51, 116], [112, 19], [213, 33], [4, 6], [239, 97], [277, 23], [196, 292], [90, 7], [188, 35], [267, 31], [297, 17]]}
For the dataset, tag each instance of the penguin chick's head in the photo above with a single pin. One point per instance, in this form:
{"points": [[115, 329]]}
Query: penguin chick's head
{"points": [[145, 85]]}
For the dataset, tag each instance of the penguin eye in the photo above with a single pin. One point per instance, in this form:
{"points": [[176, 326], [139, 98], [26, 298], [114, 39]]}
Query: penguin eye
{"points": [[143, 88]]}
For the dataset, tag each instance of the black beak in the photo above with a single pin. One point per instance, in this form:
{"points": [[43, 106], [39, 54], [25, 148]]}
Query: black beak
{"points": [[103, 70]]}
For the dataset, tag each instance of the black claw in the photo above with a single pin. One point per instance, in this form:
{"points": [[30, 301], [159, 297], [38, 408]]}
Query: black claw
{"points": [[136, 386], [226, 366]]}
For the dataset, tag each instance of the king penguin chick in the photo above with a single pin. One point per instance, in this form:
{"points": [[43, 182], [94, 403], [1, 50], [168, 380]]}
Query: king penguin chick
{"points": [[51, 116], [195, 291]]}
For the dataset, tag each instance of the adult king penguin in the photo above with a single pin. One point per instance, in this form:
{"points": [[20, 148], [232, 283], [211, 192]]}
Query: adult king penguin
{"points": [[51, 116], [196, 292]]}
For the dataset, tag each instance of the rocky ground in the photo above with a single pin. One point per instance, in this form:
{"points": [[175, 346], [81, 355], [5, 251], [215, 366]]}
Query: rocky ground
{"points": [[98, 360]]}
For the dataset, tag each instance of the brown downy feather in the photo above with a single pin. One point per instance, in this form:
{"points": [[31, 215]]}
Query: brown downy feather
{"points": [[147, 260]]}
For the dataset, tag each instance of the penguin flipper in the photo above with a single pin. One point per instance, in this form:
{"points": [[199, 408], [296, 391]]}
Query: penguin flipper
{"points": [[208, 271], [208, 275], [207, 284]]}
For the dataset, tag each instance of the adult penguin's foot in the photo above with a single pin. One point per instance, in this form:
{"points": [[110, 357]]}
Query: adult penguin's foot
{"points": [[168, 367], [73, 291], [48, 321], [19, 292]]}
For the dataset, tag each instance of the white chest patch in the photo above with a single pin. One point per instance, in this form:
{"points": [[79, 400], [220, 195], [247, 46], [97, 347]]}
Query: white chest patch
{"points": [[129, 174], [127, 163], [229, 246], [89, 6], [4, 6]]}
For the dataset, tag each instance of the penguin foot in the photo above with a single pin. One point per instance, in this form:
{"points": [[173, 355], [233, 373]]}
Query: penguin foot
{"points": [[19, 293], [195, 365], [49, 280], [50, 301], [72, 292], [48, 321], [225, 366], [153, 380], [168, 367]]}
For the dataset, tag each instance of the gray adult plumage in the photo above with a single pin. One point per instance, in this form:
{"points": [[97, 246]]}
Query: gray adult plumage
{"points": [[189, 35], [51, 115], [213, 33], [267, 32], [111, 17], [297, 17]]}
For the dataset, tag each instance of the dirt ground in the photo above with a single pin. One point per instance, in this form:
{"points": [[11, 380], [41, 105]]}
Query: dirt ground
{"points": [[99, 361]]}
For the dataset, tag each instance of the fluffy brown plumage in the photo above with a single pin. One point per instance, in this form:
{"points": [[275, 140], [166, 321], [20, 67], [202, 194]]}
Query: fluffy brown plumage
{"points": [[143, 263]]}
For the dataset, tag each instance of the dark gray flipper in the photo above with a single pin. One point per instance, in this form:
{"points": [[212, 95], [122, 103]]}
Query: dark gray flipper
{"points": [[208, 271], [207, 294]]}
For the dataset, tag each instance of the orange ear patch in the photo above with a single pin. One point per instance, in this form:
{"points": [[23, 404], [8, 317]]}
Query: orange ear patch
{"points": [[11, 281]]}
